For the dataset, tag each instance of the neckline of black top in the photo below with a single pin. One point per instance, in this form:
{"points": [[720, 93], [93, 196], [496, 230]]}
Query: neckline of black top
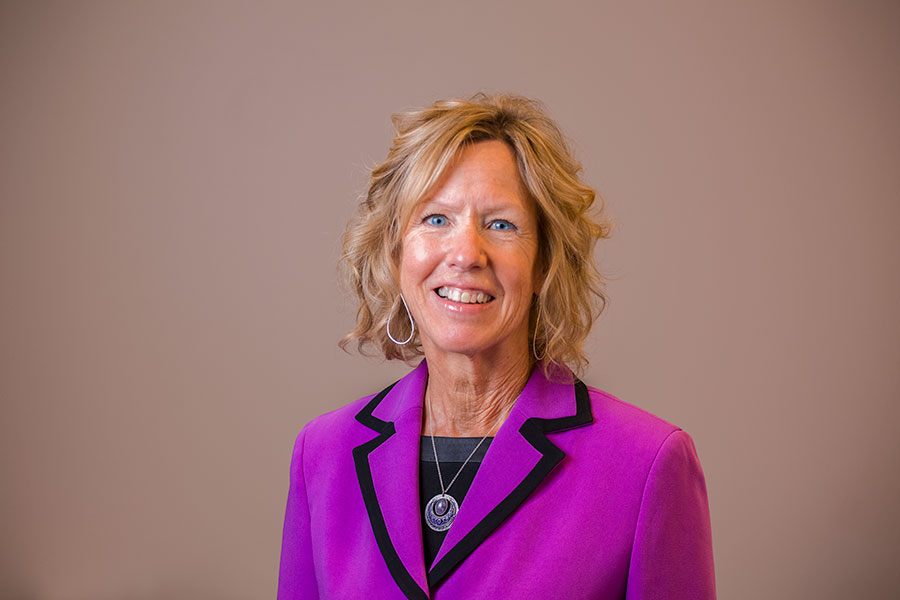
{"points": [[452, 453], [453, 449]]}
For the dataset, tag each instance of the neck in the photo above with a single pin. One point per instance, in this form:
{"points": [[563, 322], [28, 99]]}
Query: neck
{"points": [[472, 396]]}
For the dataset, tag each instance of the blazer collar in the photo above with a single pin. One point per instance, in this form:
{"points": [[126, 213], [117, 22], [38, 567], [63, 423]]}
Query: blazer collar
{"points": [[518, 460]]}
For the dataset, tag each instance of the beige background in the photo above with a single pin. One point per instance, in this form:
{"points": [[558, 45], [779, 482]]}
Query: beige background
{"points": [[175, 179]]}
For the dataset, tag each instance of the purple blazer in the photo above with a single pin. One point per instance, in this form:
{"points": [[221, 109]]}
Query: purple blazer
{"points": [[580, 495]]}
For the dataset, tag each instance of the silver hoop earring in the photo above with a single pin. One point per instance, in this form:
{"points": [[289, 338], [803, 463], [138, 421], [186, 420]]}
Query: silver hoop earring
{"points": [[537, 322], [412, 325]]}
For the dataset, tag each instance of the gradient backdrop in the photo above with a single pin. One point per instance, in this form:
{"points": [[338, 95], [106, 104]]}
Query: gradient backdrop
{"points": [[175, 179]]}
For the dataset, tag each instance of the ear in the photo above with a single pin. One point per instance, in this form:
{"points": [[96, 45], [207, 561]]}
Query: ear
{"points": [[539, 274], [538, 285]]}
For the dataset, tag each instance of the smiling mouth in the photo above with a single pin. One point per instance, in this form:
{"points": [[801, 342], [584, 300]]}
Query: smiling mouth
{"points": [[462, 296]]}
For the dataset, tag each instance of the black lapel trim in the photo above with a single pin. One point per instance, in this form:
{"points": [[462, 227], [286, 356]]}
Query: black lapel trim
{"points": [[364, 473], [534, 431]]}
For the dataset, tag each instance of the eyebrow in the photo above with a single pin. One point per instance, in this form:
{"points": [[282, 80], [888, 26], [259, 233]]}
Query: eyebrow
{"points": [[490, 207]]}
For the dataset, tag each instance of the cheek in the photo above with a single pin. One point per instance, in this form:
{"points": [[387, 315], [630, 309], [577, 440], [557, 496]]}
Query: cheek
{"points": [[415, 252], [417, 260], [525, 271]]}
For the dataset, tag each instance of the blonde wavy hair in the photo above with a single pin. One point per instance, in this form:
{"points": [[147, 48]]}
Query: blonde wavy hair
{"points": [[426, 143]]}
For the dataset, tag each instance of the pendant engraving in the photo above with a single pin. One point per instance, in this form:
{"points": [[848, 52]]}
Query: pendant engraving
{"points": [[440, 512]]}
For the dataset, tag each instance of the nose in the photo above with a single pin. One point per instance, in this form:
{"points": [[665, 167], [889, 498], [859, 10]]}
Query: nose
{"points": [[468, 250]]}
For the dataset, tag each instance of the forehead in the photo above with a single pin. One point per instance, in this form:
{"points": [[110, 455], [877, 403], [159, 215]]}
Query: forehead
{"points": [[484, 172]]}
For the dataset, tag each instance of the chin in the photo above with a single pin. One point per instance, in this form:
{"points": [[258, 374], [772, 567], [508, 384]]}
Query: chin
{"points": [[458, 344], [467, 347], [463, 349]]}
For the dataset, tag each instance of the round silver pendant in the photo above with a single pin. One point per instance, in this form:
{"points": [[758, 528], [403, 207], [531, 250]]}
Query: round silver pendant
{"points": [[440, 512]]}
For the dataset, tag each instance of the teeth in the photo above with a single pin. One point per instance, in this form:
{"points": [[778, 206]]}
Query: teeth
{"points": [[461, 296]]}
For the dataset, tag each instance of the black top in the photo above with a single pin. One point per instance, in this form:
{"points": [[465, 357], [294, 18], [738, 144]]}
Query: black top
{"points": [[452, 453]]}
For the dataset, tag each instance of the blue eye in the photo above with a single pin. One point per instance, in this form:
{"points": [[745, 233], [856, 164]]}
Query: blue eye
{"points": [[436, 220], [502, 225]]}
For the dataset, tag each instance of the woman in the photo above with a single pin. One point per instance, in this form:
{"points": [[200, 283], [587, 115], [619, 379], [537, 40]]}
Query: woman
{"points": [[489, 471]]}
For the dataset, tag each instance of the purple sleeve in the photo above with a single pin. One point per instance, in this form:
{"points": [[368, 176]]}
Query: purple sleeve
{"points": [[672, 555], [296, 575]]}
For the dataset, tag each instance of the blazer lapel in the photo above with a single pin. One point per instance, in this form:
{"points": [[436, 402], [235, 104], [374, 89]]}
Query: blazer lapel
{"points": [[518, 460], [388, 471]]}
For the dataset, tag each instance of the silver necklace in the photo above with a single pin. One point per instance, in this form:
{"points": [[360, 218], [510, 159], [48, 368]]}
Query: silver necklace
{"points": [[441, 510]]}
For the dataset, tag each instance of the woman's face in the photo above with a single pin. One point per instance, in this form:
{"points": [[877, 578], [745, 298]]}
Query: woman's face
{"points": [[468, 262]]}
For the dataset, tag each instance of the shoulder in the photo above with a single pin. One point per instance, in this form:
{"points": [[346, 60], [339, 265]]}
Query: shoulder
{"points": [[327, 437], [630, 446], [628, 426], [606, 406], [334, 428]]}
